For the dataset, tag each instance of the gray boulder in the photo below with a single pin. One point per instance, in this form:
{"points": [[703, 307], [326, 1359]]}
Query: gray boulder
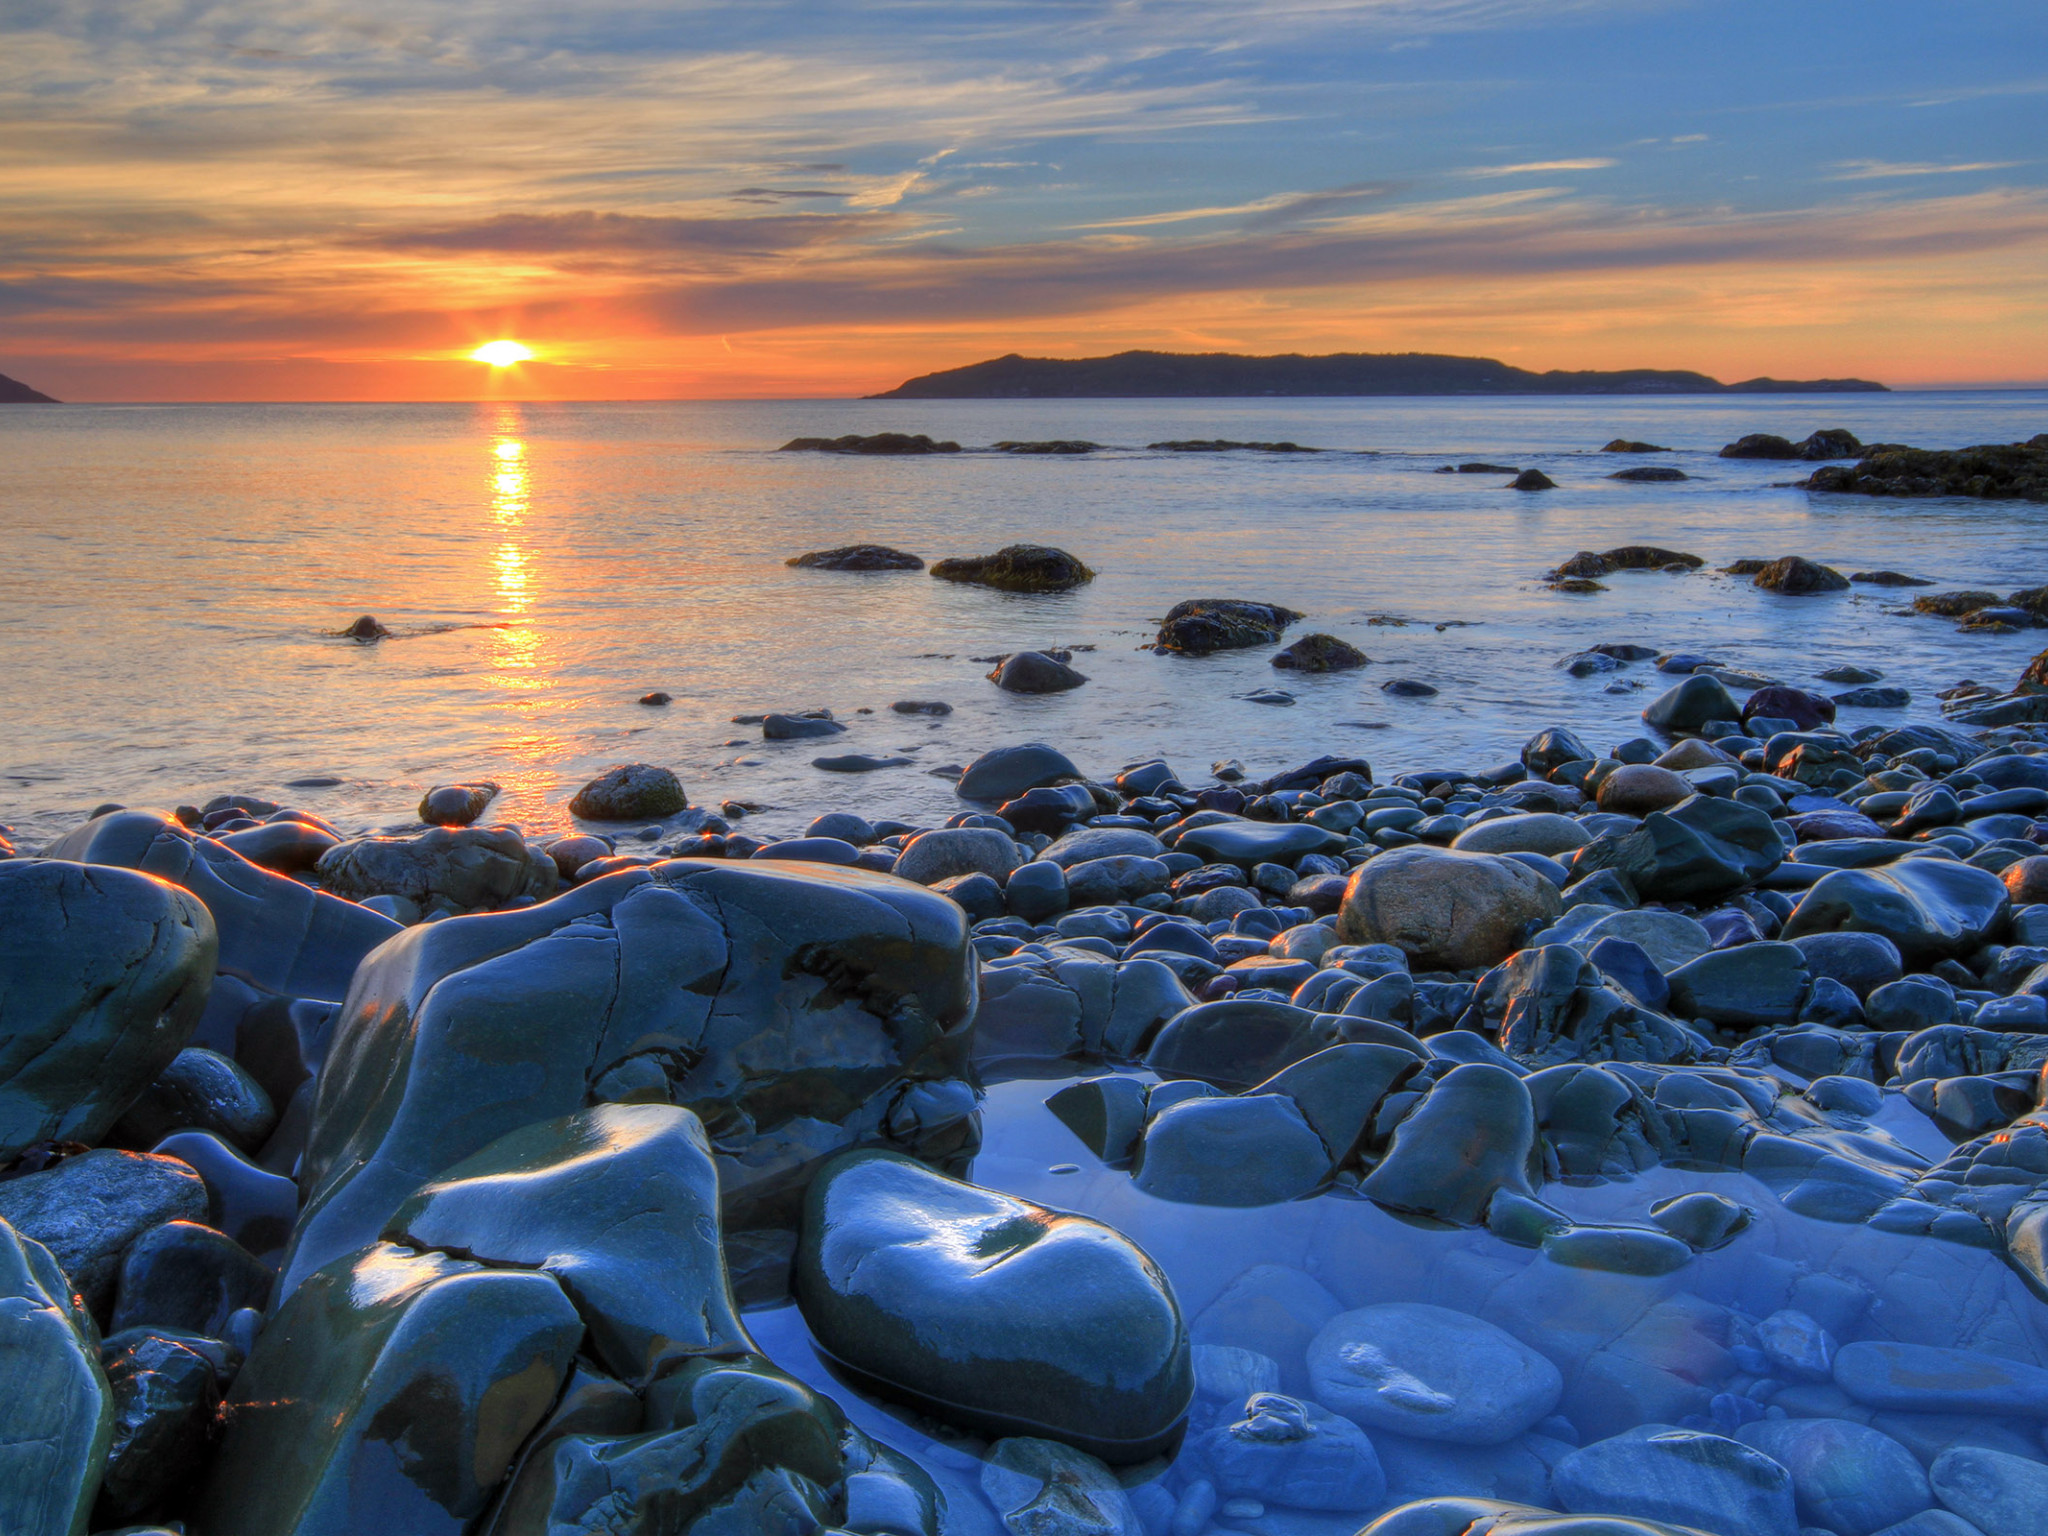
{"points": [[1690, 1479], [466, 868], [931, 857], [1408, 1368], [1444, 908], [1007, 772], [1931, 909], [89, 1208], [56, 1417], [630, 792], [1257, 1150]]}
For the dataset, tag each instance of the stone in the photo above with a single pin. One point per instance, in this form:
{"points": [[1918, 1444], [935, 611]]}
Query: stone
{"points": [[1339, 1089], [798, 1008], [1246, 843], [1460, 1516], [2026, 880], [1653, 473], [1407, 688], [1235, 1045], [1689, 707], [467, 868], [1693, 1480], [1668, 938], [922, 707], [282, 847], [620, 1204], [89, 1208], [1551, 749], [255, 1208], [1281, 1450], [391, 1390], [1746, 987], [56, 1416], [105, 974], [934, 856], [1862, 962], [1830, 443], [186, 1278], [1430, 1373], [1846, 1477], [1931, 909], [1761, 445], [808, 727], [1795, 1344], [1793, 576], [1037, 891], [1806, 711], [1051, 809], [656, 699], [1532, 480], [1999, 1494], [1321, 653], [1034, 672], [165, 1392], [1446, 909], [1257, 1150], [1873, 698], [810, 850], [857, 557], [1017, 568], [872, 442], [1472, 1136], [456, 805], [630, 792], [1008, 772], [1204, 625], [200, 1090], [1701, 848], [1544, 832], [1926, 1378], [1701, 1220], [1549, 1004], [992, 1313], [1636, 789], [1106, 1113], [364, 631], [1044, 1488], [1083, 844], [858, 762]]}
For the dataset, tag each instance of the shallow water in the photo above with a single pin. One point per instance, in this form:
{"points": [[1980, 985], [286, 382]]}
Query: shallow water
{"points": [[170, 571]]}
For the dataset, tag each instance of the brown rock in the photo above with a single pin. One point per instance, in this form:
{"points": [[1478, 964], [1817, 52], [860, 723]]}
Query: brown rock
{"points": [[1636, 789], [1446, 909], [1693, 753], [1796, 577], [2027, 880]]}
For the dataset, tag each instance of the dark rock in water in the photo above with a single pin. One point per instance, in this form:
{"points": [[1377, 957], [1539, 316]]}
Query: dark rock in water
{"points": [[1056, 445], [456, 805], [1925, 1378], [779, 727], [990, 1312], [655, 700], [1204, 625], [89, 1208], [1480, 467], [1796, 577], [1577, 585], [1744, 567], [105, 974], [1472, 1136], [56, 1413], [1532, 480], [1106, 1113], [737, 989], [1806, 711], [1237, 1045], [1888, 579], [874, 442], [1018, 568], [921, 707], [1989, 471], [1050, 808], [1034, 672], [1954, 605], [1289, 1451], [1320, 653], [1653, 474], [1553, 748], [630, 792], [1585, 565], [466, 868], [1688, 708], [857, 557], [1256, 1150], [1407, 688], [1845, 1476], [1431, 1374], [1830, 443], [200, 1090], [857, 762], [1687, 1478], [391, 1390], [165, 1392], [1007, 772], [1761, 445], [187, 1278], [1446, 909], [1932, 909], [1874, 698], [365, 631], [1225, 445], [1629, 445], [283, 847], [1314, 772]]}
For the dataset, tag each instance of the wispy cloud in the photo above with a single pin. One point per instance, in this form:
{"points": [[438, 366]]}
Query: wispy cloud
{"points": [[1542, 167], [1885, 170]]}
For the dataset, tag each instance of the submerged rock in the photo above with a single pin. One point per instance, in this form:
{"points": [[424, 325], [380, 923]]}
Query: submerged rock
{"points": [[1690, 1479], [873, 442], [1018, 568], [1430, 1373], [1321, 653], [1206, 624], [857, 557]]}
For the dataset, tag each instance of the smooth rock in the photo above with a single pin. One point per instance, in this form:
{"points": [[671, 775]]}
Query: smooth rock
{"points": [[1926, 1378], [462, 867], [1204, 625], [1257, 1150], [1689, 707], [56, 1415], [1045, 1488], [2000, 1494], [857, 557], [1931, 909], [1742, 988], [1281, 1450], [1636, 789], [187, 1278], [166, 1393], [200, 1090], [1236, 1045], [1472, 1136], [456, 805], [934, 856], [89, 1208], [1034, 672], [1431, 1373], [1543, 832], [1008, 772], [1445, 909], [1321, 653], [630, 792], [1245, 843], [1656, 1472], [1846, 1477]]}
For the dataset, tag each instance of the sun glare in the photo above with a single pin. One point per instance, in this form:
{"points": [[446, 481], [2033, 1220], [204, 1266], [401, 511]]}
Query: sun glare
{"points": [[501, 354]]}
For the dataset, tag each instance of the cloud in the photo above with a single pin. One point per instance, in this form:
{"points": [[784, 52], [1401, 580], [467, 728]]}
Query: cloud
{"points": [[1279, 208], [1541, 167], [1885, 170]]}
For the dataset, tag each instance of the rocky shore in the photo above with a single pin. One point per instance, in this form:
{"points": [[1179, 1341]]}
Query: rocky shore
{"points": [[1635, 1137]]}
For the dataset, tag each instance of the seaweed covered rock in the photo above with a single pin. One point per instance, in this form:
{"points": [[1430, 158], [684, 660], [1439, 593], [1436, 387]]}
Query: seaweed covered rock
{"points": [[1202, 625], [1795, 576], [630, 792], [1320, 653], [871, 442], [1989, 471], [1017, 568]]}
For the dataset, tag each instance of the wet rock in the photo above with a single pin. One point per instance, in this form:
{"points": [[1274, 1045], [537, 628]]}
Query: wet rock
{"points": [[1038, 1008], [1862, 962], [1551, 749], [857, 762], [283, 847], [1034, 672], [187, 1278], [1993, 471], [1429, 1373], [1460, 1516], [1701, 1220], [1472, 1136], [934, 856], [1873, 698], [873, 442], [1631, 445], [1282, 1450], [1204, 625], [364, 631], [620, 1204], [105, 974], [1543, 832], [1407, 688], [1806, 711], [1037, 891], [1050, 808], [1106, 1113], [1931, 909], [921, 707], [456, 805], [1008, 772], [1687, 708], [1235, 1045], [1532, 480], [200, 1090], [56, 1414], [1794, 1343], [392, 1389], [1044, 1488], [1701, 848], [253, 1207], [1701, 1481], [165, 1391], [1793, 576], [1321, 653], [990, 1312], [1999, 1494], [88, 1209], [1925, 1378], [467, 868], [2026, 880], [1636, 789], [630, 792], [1549, 1004], [1017, 568], [857, 557], [1742, 988], [1761, 445], [655, 699], [1231, 1151], [1846, 1477], [1247, 843], [806, 727], [1443, 908]]}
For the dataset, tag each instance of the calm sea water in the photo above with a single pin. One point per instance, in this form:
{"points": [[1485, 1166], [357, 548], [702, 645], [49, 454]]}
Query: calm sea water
{"points": [[170, 573]]}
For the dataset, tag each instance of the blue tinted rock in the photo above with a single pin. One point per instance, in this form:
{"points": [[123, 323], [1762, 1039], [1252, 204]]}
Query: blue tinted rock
{"points": [[1445, 908], [1106, 1113], [1751, 985], [1256, 1150], [1281, 1450], [1272, 1311], [1629, 966], [1462, 1516], [1245, 843], [1846, 1477], [1931, 909], [1688, 707], [1925, 1378], [1337, 1090], [812, 850], [931, 857], [89, 1208], [1670, 939], [1008, 772], [2001, 1495], [1431, 1373], [253, 1207], [166, 1393], [1472, 1135], [1655, 1472], [187, 1278], [200, 1090], [1234, 1045], [1912, 1003], [56, 1414], [1043, 1488], [1037, 891]]}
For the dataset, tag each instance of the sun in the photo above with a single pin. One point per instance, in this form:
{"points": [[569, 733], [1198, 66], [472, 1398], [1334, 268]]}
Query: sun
{"points": [[502, 354]]}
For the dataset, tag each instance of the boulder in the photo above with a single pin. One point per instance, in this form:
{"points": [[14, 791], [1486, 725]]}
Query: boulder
{"points": [[1846, 1477], [1034, 672], [456, 805], [1701, 848], [1651, 474], [1761, 445], [1690, 1479], [1636, 789], [1793, 576], [1445, 909], [1282, 1450], [1257, 1150], [1236, 1044], [466, 868], [182, 1277], [931, 857], [1246, 843], [1806, 711], [1018, 568], [1549, 750], [805, 727], [283, 847], [1472, 1136], [1544, 832], [166, 1394], [1927, 1378], [1042, 1485], [1998, 1493], [1430, 1373], [1670, 939], [1549, 1004], [630, 792], [1206, 624], [200, 1090], [1930, 909], [56, 1415], [857, 557], [88, 1209], [104, 973], [1008, 772], [1687, 708], [1321, 653], [992, 1313], [1744, 987]]}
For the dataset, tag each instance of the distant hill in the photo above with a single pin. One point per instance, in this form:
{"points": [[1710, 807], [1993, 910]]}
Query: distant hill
{"points": [[14, 392], [1143, 375]]}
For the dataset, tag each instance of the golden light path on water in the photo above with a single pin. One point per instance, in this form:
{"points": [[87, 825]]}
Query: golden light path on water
{"points": [[519, 655]]}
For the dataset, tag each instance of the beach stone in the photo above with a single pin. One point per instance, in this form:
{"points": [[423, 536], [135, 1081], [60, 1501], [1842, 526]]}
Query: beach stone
{"points": [[282, 847], [1532, 480], [1407, 688], [390, 1391], [1701, 1220], [858, 762], [165, 1393], [1460, 1516], [1796, 577], [186, 1278], [1873, 698], [1653, 473], [1846, 1477], [1044, 1488], [2026, 880], [1106, 1113], [572, 853], [1037, 891], [1321, 653], [1121, 878], [1636, 789], [1282, 1450], [1806, 711], [1930, 909], [1235, 1045], [1543, 832], [977, 895], [88, 1209], [1007, 772], [808, 727], [931, 857], [1745, 987], [1204, 625], [1549, 1004], [1034, 672], [620, 1204], [462, 867], [1338, 1090], [810, 850], [799, 1008], [56, 1416], [1017, 568], [253, 1207], [105, 974], [1690, 1479], [1701, 848], [1256, 1150], [2000, 1494], [1050, 808], [990, 1312], [1551, 749], [1795, 1344], [200, 1090], [1443, 908], [1926, 1378], [857, 557], [1629, 966], [1472, 1136], [630, 792], [1862, 962], [1427, 1372], [1246, 843], [1083, 844], [1670, 939], [1689, 707], [456, 805]]}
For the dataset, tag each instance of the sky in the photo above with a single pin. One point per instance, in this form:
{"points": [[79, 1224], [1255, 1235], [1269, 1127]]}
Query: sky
{"points": [[340, 199]]}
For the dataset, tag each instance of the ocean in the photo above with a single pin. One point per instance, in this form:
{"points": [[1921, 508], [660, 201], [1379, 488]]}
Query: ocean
{"points": [[173, 574]]}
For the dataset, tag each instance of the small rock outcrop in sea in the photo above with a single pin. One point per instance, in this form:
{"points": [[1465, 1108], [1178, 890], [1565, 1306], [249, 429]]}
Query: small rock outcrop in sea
{"points": [[1321, 653], [1034, 672], [874, 442], [1989, 471], [1650, 474], [1630, 445], [1057, 446], [1225, 445], [1532, 480], [1888, 579], [1018, 568], [1587, 565], [1830, 443], [1794, 576], [630, 792], [456, 805], [364, 630], [857, 557], [1203, 625]]}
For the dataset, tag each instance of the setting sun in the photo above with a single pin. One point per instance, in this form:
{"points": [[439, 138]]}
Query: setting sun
{"points": [[502, 354]]}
